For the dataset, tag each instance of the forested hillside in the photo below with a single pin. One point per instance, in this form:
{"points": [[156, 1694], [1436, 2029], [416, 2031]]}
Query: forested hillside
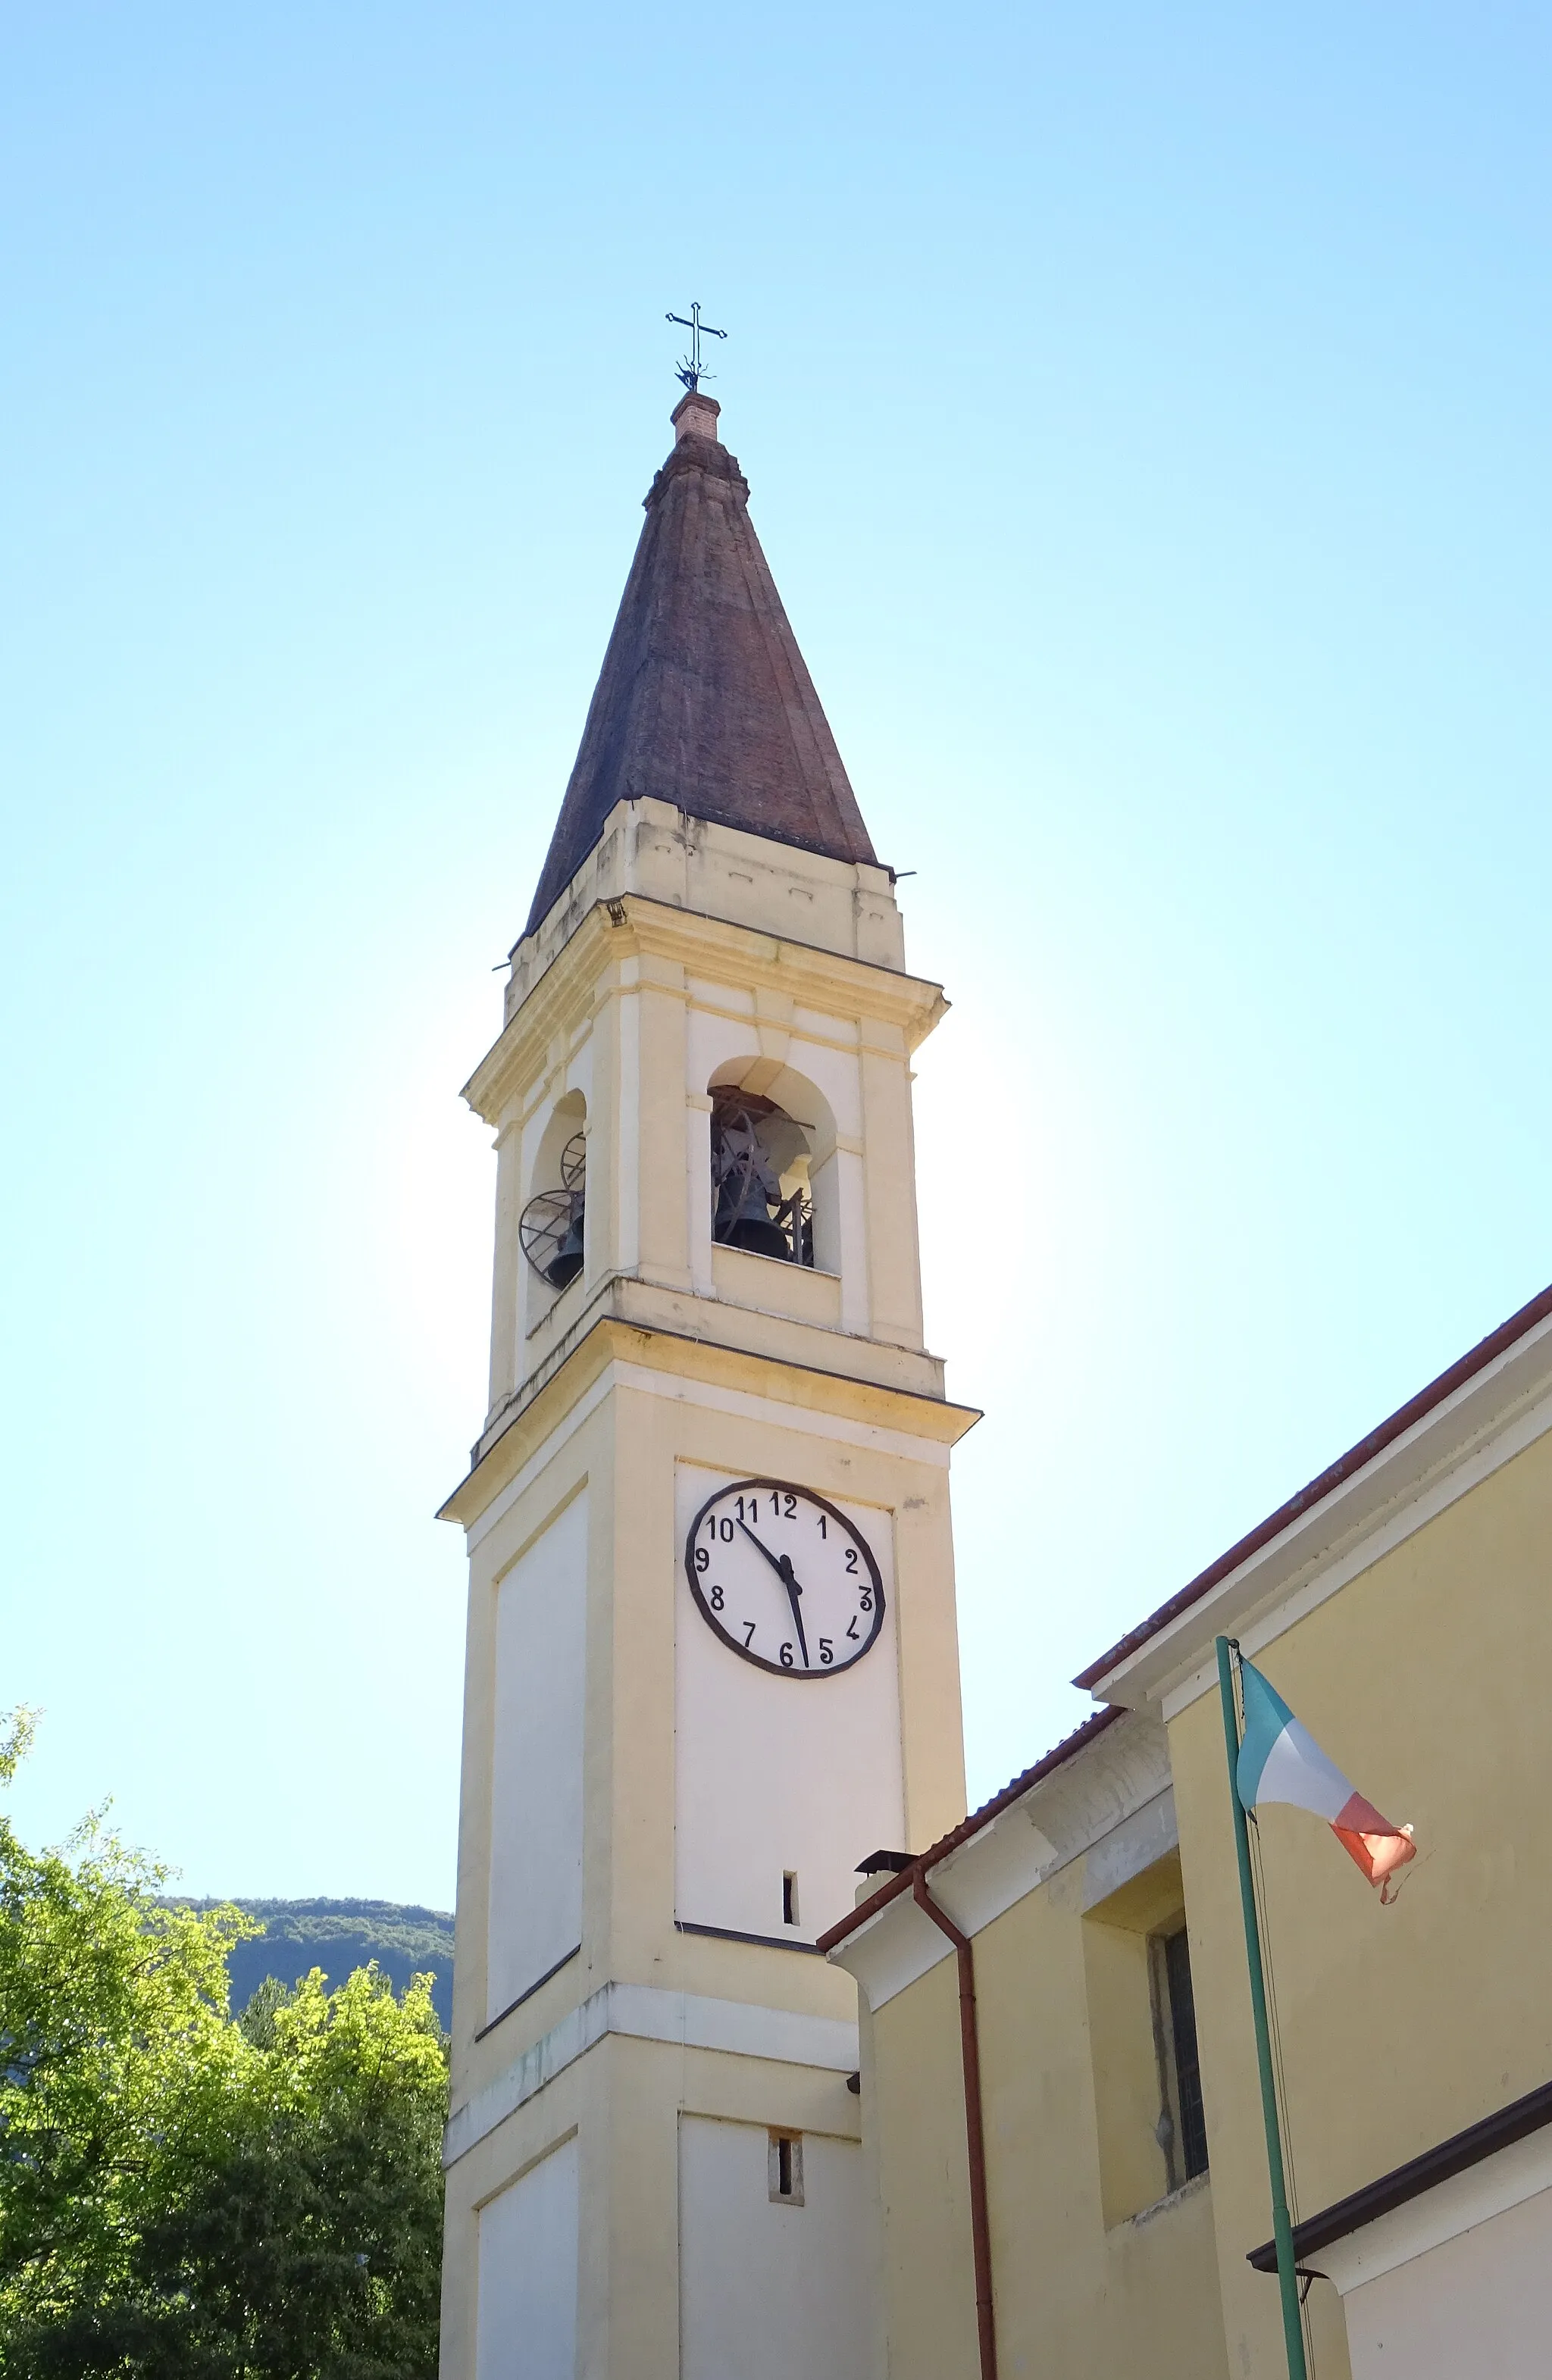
{"points": [[339, 1936]]}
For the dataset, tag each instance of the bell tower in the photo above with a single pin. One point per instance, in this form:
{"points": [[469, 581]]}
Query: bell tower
{"points": [[711, 1650]]}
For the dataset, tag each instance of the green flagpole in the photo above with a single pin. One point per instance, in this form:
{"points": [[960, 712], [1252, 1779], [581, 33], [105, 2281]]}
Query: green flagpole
{"points": [[1282, 2229]]}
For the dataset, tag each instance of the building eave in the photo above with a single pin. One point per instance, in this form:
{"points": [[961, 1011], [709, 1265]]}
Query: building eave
{"points": [[1436, 1428], [903, 1880], [1496, 2132]]}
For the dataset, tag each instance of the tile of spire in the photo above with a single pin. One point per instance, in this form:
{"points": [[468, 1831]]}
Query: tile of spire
{"points": [[703, 699]]}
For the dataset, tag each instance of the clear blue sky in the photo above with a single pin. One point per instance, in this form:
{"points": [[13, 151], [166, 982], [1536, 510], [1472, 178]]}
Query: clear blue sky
{"points": [[1145, 411]]}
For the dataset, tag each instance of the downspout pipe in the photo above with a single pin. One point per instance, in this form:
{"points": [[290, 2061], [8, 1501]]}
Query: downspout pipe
{"points": [[974, 2132]]}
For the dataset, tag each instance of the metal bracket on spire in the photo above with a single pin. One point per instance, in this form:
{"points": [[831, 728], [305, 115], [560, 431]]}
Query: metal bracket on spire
{"points": [[688, 369]]}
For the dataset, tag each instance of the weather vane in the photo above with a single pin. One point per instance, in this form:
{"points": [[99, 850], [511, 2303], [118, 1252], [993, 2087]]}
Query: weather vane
{"points": [[689, 369]]}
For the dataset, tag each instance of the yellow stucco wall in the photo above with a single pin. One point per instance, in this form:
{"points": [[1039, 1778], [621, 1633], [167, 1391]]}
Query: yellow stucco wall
{"points": [[914, 2108], [1078, 2291], [1425, 1678]]}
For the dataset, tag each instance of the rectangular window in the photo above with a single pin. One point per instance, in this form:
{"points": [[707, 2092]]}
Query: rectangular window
{"points": [[1187, 2064], [789, 1898], [785, 2168]]}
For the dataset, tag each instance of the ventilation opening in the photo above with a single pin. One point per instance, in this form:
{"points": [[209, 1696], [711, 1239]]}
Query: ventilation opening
{"points": [[789, 1898], [551, 1226], [787, 2169], [759, 1178]]}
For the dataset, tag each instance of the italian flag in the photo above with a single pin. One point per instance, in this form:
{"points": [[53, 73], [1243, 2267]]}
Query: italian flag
{"points": [[1281, 1761]]}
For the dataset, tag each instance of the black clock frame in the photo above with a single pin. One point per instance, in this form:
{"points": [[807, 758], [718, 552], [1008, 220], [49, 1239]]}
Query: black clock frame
{"points": [[758, 1660]]}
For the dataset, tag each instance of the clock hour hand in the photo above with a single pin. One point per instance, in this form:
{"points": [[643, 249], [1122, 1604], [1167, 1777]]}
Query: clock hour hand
{"points": [[781, 1565]]}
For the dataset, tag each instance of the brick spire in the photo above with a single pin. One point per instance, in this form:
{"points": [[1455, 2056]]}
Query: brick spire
{"points": [[703, 699]]}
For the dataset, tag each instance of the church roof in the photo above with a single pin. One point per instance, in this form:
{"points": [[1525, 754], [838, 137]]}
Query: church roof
{"points": [[1477, 1360], [703, 699]]}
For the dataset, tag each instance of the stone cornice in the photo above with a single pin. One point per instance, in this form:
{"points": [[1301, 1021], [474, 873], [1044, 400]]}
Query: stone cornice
{"points": [[632, 927], [644, 2012], [931, 1420]]}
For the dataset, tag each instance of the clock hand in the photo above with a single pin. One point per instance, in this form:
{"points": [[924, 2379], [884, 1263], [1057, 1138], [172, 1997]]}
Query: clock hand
{"points": [[781, 1565], [778, 1562], [793, 1591]]}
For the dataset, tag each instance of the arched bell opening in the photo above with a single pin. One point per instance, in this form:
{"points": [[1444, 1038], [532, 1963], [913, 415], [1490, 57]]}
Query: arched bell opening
{"points": [[552, 1228], [772, 1136]]}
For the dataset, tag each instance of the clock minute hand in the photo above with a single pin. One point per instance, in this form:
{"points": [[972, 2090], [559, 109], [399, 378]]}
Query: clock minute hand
{"points": [[781, 1565], [778, 1562]]}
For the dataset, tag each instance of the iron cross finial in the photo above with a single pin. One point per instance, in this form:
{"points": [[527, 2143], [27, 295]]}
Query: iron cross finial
{"points": [[690, 367]]}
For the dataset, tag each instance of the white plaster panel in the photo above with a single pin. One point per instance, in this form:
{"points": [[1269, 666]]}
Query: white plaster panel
{"points": [[770, 2291], [579, 1067], [892, 1950], [525, 2326], [710, 1040], [627, 1145], [1467, 2200], [532, 1295], [774, 1775], [698, 1190], [817, 1024], [535, 1125], [535, 1909], [851, 1208], [708, 997], [1007, 1858], [837, 1073], [1478, 2303]]}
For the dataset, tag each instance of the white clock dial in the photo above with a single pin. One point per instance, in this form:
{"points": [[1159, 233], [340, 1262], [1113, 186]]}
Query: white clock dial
{"points": [[786, 1581]]}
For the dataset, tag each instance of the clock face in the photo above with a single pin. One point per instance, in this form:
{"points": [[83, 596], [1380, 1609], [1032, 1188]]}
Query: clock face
{"points": [[784, 1578]]}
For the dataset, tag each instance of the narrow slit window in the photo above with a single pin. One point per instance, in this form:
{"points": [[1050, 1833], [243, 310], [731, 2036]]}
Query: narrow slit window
{"points": [[789, 1898], [1188, 2064], [787, 2169]]}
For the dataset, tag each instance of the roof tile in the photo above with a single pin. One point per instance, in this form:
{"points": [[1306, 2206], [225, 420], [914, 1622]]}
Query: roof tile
{"points": [[703, 699]]}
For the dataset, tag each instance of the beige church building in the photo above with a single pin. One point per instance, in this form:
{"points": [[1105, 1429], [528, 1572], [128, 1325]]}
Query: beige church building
{"points": [[767, 2062]]}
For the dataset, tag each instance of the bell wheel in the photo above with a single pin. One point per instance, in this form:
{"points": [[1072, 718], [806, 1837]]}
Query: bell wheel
{"points": [[573, 1162], [550, 1231]]}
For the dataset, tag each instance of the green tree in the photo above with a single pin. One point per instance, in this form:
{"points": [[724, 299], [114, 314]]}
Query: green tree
{"points": [[117, 2056], [184, 2196]]}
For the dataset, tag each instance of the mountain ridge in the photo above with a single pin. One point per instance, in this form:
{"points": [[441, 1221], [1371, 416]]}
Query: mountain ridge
{"points": [[405, 1939]]}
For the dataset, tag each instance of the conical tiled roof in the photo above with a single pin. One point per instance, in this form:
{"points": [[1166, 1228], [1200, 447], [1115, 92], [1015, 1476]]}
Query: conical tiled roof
{"points": [[703, 699]]}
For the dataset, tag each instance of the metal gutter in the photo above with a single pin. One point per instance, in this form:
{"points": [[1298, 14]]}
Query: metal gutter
{"points": [[975, 2128], [912, 1878]]}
